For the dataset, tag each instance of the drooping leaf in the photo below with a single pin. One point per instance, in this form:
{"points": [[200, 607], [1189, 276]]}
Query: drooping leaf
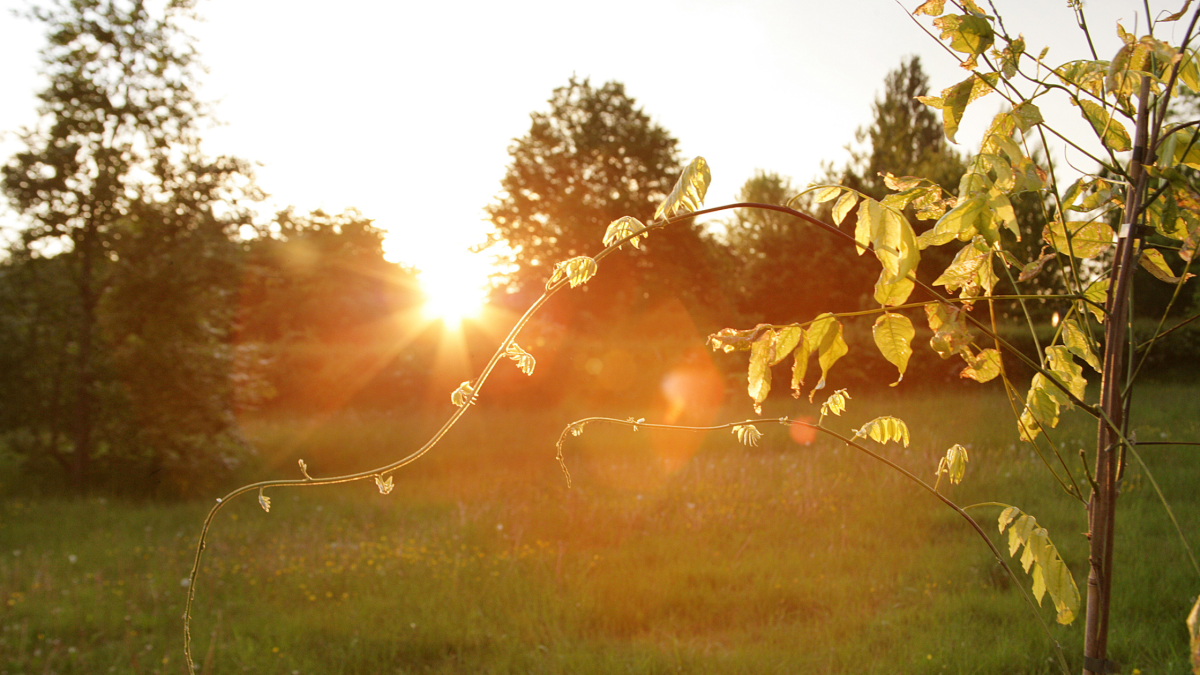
{"points": [[966, 33], [835, 404], [688, 194], [1042, 561], [884, 429], [1152, 261], [264, 501], [1096, 292], [1086, 240], [1062, 365], [747, 434], [963, 272], [890, 291], [759, 371], [954, 100], [950, 333], [624, 227], [786, 340], [800, 366], [891, 236], [827, 193], [733, 340], [1034, 268], [843, 206], [464, 395], [524, 359], [1080, 344], [954, 464], [825, 338], [981, 367], [385, 486], [893, 335], [1111, 132], [576, 271]]}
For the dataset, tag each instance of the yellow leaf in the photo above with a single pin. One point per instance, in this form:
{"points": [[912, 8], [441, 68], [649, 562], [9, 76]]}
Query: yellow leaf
{"points": [[624, 227], [1110, 131], [576, 271], [1152, 261], [954, 464], [893, 334], [688, 194]]}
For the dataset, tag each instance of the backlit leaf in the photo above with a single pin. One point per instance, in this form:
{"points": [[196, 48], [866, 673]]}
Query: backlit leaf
{"points": [[931, 7], [890, 291], [981, 367], [759, 371], [624, 227], [1041, 560], [747, 434], [884, 429], [954, 100], [1110, 131], [688, 194], [464, 395], [1087, 239], [1152, 261], [963, 272], [825, 338], [965, 33], [843, 206], [950, 333], [786, 340], [1096, 292], [1080, 344], [1062, 365], [385, 486], [893, 334], [954, 464], [827, 193], [835, 404], [524, 359], [1034, 268], [800, 366], [264, 501], [576, 271]]}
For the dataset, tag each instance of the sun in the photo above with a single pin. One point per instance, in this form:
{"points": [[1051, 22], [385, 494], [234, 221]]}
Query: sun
{"points": [[451, 295]]}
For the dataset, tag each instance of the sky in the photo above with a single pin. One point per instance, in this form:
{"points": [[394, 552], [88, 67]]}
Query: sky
{"points": [[406, 110]]}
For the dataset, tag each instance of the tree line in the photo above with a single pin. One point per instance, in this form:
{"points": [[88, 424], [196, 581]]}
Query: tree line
{"points": [[145, 304]]}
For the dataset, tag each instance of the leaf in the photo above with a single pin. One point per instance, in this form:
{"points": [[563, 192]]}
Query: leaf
{"points": [[759, 371], [1062, 365], [827, 193], [843, 206], [981, 367], [747, 434], [385, 486], [1086, 75], [890, 291], [786, 338], [1086, 240], [577, 271], [963, 272], [950, 333], [464, 395], [800, 366], [1152, 261], [1193, 626], [732, 340], [962, 222], [954, 464], [688, 194], [304, 470], [524, 359], [931, 7], [891, 236], [893, 334], [965, 33], [1080, 344], [1110, 131], [264, 501], [954, 100], [1042, 561], [825, 338], [1034, 268], [1097, 292], [835, 404], [884, 429], [624, 227]]}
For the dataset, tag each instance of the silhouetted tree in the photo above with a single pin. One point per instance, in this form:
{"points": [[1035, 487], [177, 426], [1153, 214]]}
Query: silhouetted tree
{"points": [[591, 159]]}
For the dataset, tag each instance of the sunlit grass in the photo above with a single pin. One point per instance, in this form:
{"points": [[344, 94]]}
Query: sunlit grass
{"points": [[781, 558]]}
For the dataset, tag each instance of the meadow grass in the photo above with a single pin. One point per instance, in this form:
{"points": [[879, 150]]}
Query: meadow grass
{"points": [[672, 552]]}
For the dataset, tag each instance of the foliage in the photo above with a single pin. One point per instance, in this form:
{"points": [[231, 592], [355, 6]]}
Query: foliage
{"points": [[113, 187]]}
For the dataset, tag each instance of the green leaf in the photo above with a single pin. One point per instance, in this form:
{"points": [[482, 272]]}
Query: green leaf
{"points": [[1152, 261], [759, 372], [1086, 240], [576, 271], [884, 429], [1110, 131], [891, 236], [688, 194], [1097, 292], [1080, 344], [1086, 75], [954, 100], [981, 367], [825, 338], [954, 464], [965, 33], [963, 272], [962, 222], [893, 334], [1041, 559], [1062, 365], [1034, 268], [624, 227]]}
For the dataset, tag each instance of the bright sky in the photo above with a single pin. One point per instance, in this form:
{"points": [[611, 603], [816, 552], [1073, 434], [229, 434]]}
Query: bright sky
{"points": [[405, 110]]}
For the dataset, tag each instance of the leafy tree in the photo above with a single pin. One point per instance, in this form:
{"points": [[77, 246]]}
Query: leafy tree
{"points": [[591, 159], [113, 178]]}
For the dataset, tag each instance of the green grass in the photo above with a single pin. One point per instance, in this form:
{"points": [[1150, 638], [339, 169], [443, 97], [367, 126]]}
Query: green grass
{"points": [[672, 552]]}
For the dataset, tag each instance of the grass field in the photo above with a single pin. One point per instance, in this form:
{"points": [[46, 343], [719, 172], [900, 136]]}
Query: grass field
{"points": [[672, 552]]}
